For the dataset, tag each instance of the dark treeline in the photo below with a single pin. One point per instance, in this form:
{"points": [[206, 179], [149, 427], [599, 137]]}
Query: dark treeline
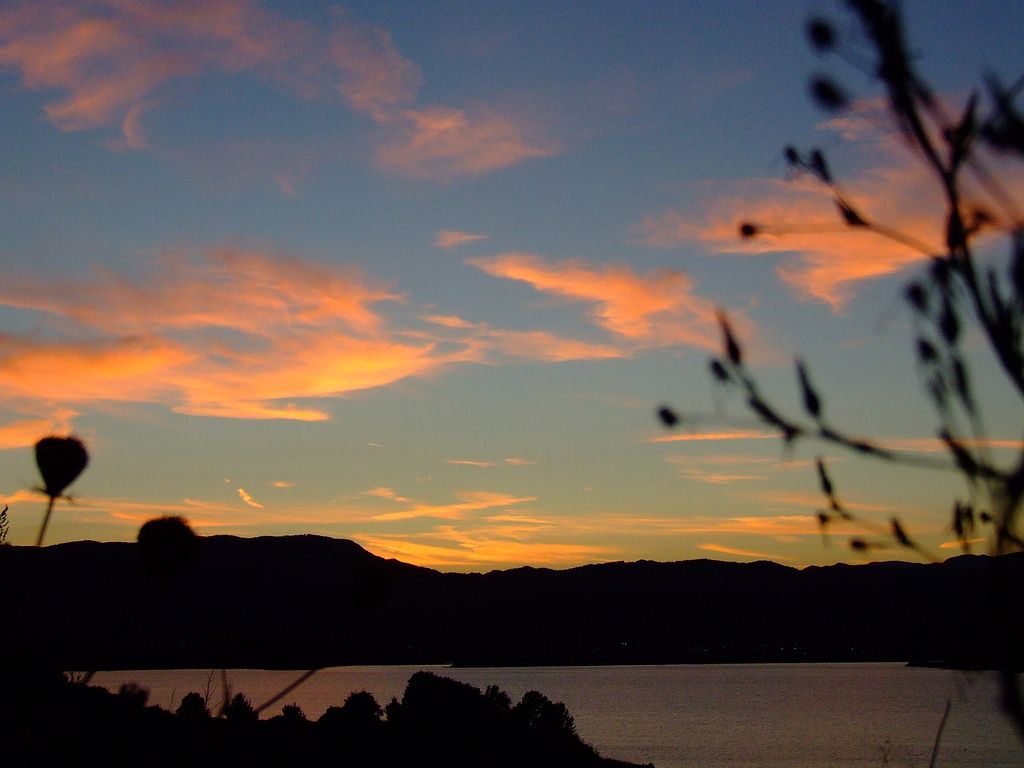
{"points": [[307, 601], [49, 720]]}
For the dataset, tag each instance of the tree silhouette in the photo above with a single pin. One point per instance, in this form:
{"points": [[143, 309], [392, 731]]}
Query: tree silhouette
{"points": [[959, 292]]}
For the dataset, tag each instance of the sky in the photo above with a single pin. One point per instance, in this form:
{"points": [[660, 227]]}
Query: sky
{"points": [[419, 274]]}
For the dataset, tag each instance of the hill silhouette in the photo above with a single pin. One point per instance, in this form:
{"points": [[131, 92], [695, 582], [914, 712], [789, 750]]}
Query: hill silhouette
{"points": [[305, 601]]}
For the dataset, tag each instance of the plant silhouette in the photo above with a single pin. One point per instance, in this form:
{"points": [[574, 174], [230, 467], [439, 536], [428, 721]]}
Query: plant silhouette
{"points": [[60, 460], [957, 293]]}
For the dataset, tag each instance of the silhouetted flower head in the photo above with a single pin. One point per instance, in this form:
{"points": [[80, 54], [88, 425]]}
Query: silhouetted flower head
{"points": [[166, 545], [821, 34], [668, 417], [60, 461], [828, 94]]}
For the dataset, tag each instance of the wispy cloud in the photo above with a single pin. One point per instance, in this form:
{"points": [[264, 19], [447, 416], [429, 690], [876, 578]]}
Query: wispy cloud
{"points": [[469, 501], [657, 308], [453, 238], [730, 468], [512, 461], [532, 344], [25, 432], [715, 436], [109, 61], [444, 142], [487, 548], [375, 77], [741, 552], [383, 492], [108, 58], [228, 333], [959, 545], [246, 497], [822, 258], [934, 445]]}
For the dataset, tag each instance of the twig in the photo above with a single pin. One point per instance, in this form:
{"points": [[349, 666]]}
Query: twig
{"points": [[938, 735], [287, 689]]}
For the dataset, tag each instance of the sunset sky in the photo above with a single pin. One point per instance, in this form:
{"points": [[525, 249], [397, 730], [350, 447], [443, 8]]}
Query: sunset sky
{"points": [[418, 274]]}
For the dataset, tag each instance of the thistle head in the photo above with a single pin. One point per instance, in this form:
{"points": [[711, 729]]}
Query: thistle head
{"points": [[60, 461], [166, 545]]}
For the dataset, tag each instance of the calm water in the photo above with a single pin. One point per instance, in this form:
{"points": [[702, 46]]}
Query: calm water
{"points": [[715, 715]]}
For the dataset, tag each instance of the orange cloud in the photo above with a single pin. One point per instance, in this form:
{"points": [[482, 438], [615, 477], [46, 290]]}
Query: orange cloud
{"points": [[382, 492], [452, 238], [230, 333], [727, 434], [241, 290], [245, 496], [715, 478], [773, 526], [470, 463], [740, 552], [658, 308], [26, 432], [109, 59], [803, 220], [934, 445], [809, 501], [469, 501], [959, 545], [443, 142], [823, 259], [448, 548]]}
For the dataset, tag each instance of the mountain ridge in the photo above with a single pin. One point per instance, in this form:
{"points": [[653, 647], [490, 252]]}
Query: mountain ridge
{"points": [[306, 600]]}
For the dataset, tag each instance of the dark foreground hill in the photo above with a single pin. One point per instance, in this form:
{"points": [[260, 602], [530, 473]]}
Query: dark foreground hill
{"points": [[303, 601]]}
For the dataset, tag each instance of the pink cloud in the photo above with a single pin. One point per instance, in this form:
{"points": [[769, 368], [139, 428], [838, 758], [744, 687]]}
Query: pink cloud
{"points": [[534, 345], [443, 142], [109, 59], [375, 78], [453, 238], [657, 308]]}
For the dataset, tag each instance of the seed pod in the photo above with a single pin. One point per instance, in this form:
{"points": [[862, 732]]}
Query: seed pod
{"points": [[732, 347], [828, 95], [812, 402], [821, 34], [918, 297], [60, 461], [668, 416], [718, 371]]}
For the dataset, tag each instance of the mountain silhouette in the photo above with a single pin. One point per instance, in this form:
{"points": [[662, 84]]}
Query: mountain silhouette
{"points": [[305, 601]]}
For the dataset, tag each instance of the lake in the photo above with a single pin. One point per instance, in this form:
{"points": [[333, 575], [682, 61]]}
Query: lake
{"points": [[766, 715]]}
